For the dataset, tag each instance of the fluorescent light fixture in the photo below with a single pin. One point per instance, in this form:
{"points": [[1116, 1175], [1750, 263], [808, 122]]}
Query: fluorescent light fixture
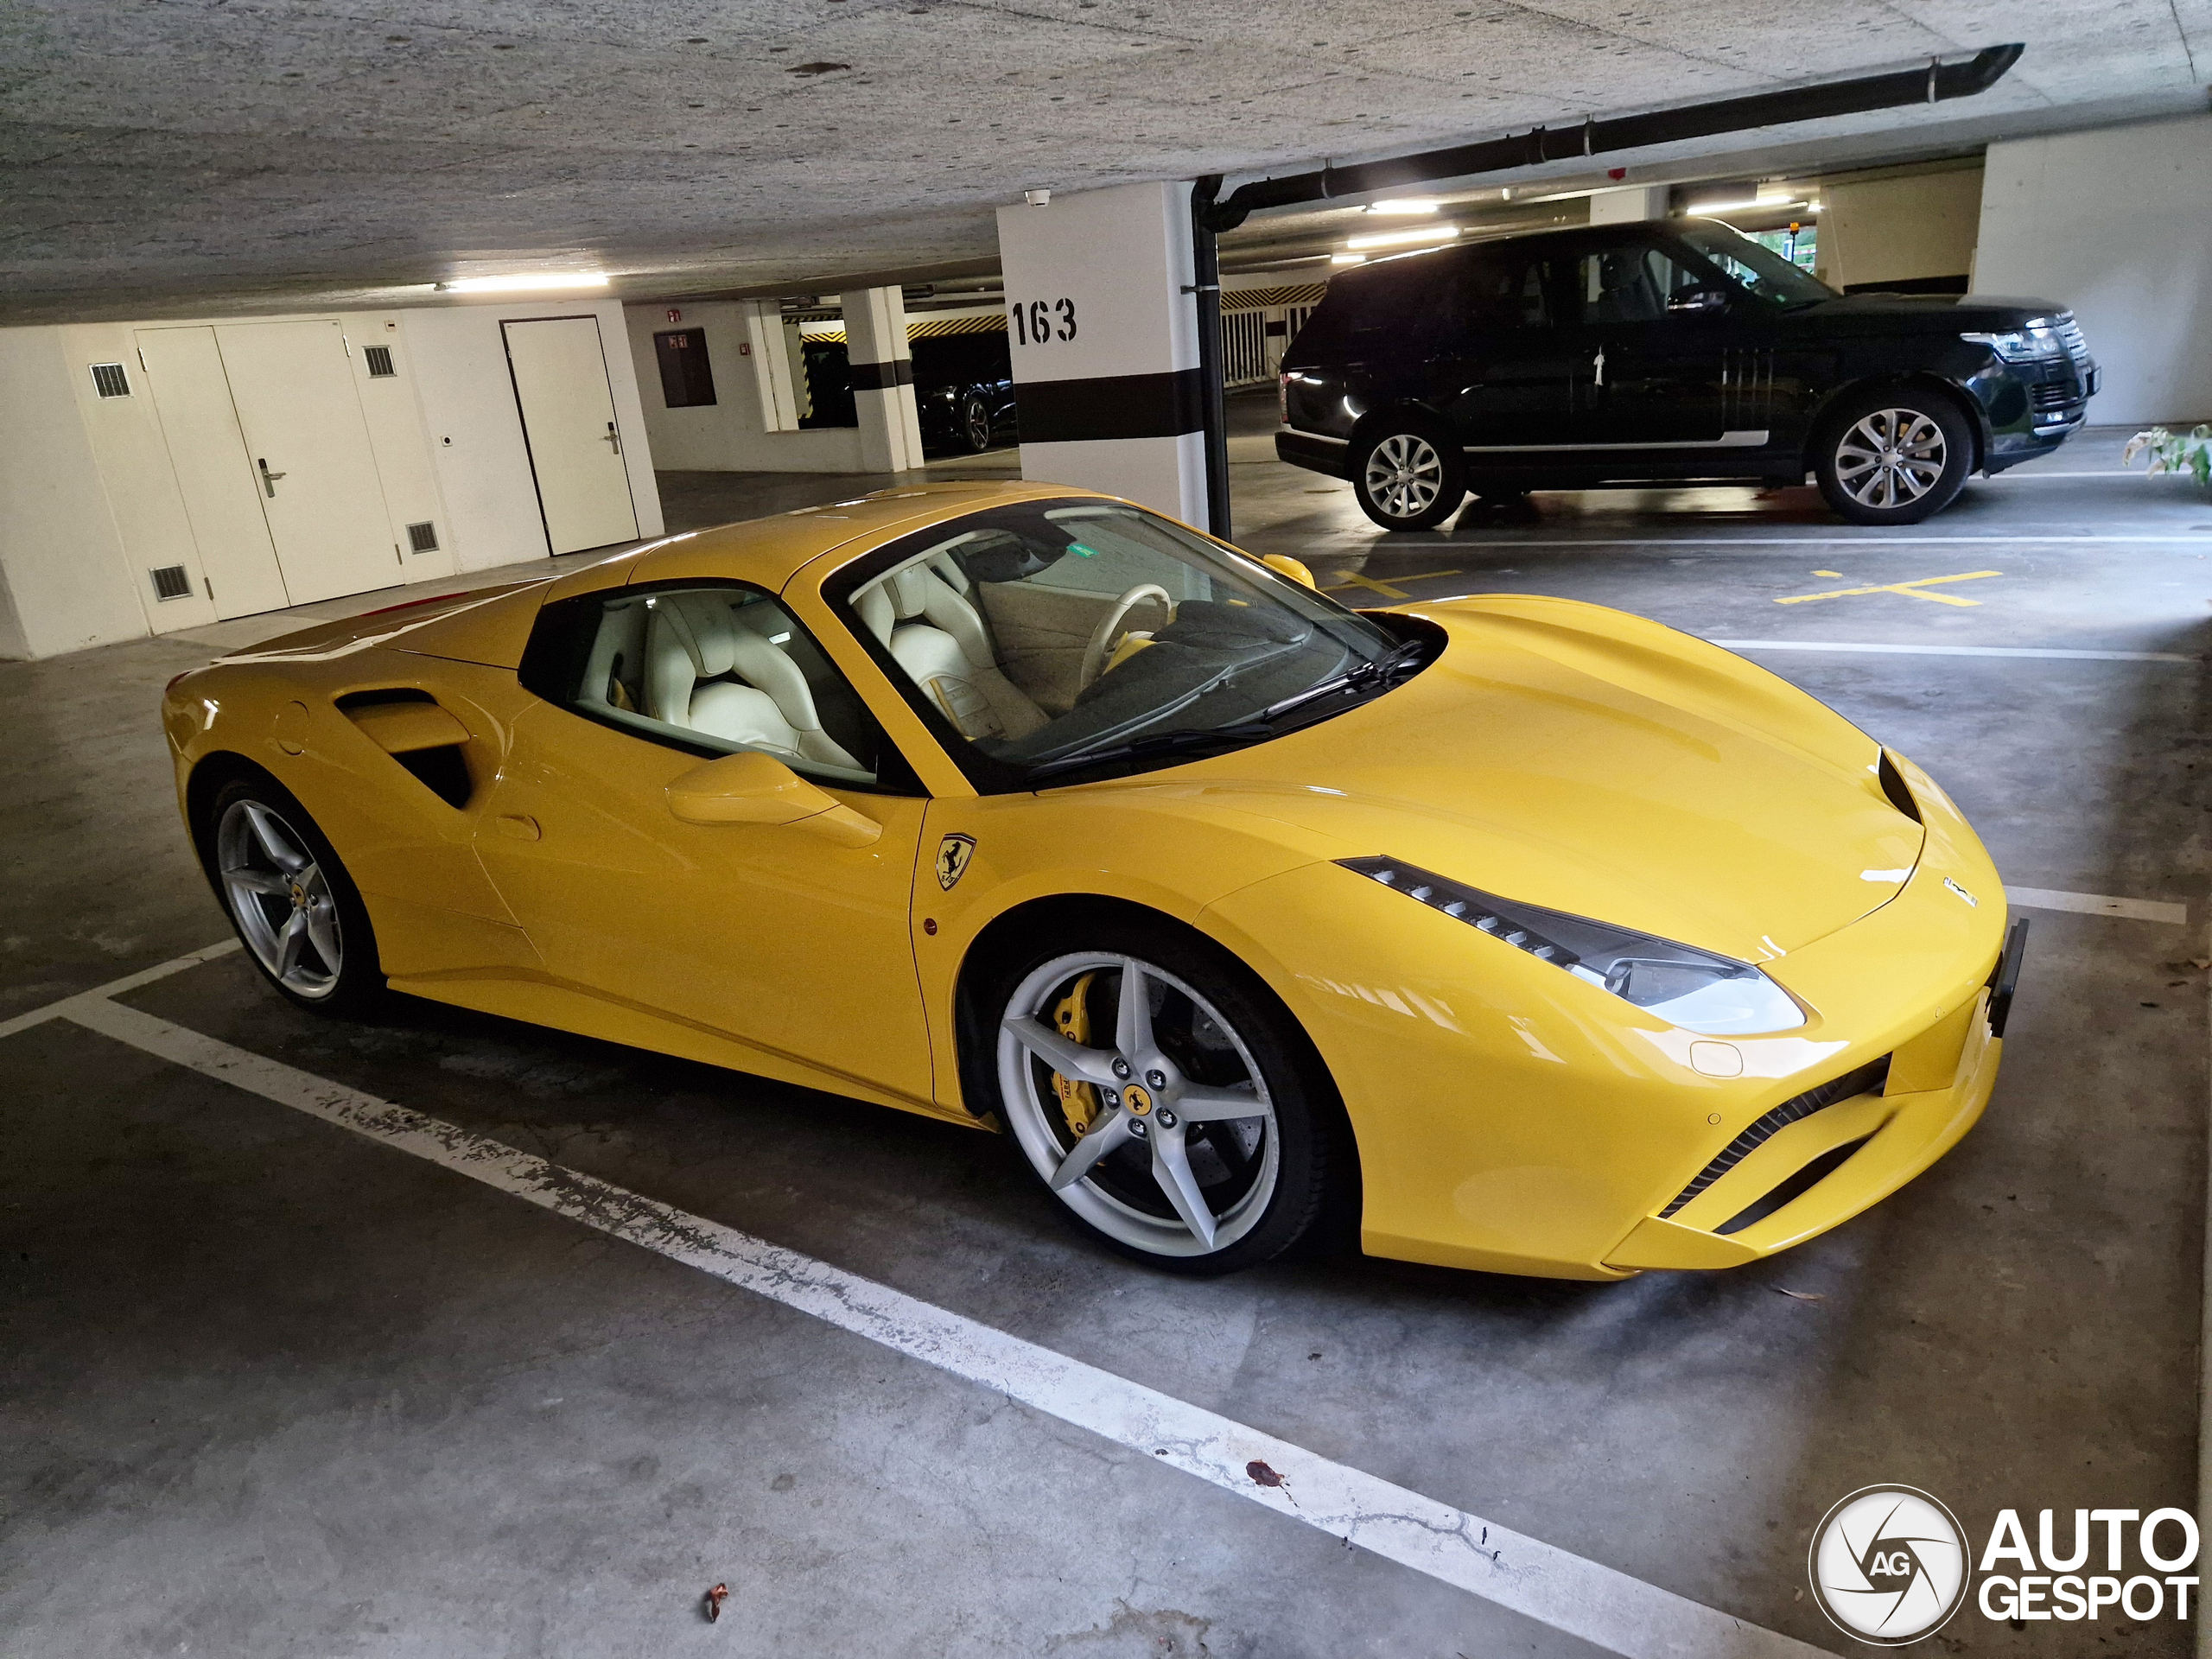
{"points": [[1706, 209], [1403, 205], [524, 284], [1347, 258], [1403, 238]]}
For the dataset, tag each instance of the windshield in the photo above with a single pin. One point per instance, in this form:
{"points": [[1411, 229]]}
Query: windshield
{"points": [[1042, 639], [1755, 268]]}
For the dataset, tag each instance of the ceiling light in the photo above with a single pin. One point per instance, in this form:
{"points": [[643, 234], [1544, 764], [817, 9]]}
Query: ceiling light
{"points": [[521, 283], [1712, 209], [1403, 205], [1347, 258], [1404, 238]]}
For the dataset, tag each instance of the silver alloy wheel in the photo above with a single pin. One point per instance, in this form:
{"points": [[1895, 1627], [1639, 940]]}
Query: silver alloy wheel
{"points": [[979, 425], [280, 899], [1404, 474], [1171, 1164], [1890, 457]]}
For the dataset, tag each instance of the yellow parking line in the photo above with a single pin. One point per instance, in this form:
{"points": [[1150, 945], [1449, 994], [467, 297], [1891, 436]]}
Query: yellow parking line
{"points": [[1911, 589], [1346, 579]]}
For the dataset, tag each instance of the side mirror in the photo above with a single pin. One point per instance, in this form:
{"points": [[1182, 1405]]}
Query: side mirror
{"points": [[1699, 298], [1283, 565], [755, 788]]}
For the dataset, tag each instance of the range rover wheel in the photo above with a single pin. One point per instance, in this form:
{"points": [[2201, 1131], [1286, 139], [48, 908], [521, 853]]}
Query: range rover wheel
{"points": [[1166, 1100], [976, 424], [296, 911], [1894, 456], [1408, 474]]}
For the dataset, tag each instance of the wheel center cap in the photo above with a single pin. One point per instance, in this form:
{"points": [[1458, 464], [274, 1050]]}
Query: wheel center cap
{"points": [[1137, 1098], [299, 896]]}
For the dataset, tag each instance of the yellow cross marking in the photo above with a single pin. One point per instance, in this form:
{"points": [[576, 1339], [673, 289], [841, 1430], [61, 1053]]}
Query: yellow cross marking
{"points": [[1828, 573], [1346, 579], [1909, 589]]}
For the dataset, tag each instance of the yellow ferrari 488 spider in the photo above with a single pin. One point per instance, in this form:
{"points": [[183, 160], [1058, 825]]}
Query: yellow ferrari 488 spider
{"points": [[1543, 938]]}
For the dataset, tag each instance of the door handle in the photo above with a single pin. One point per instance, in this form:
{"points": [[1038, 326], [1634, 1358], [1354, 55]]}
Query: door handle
{"points": [[614, 437], [1598, 368], [268, 478]]}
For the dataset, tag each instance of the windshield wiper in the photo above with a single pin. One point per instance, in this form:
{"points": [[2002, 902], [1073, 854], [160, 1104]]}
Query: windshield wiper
{"points": [[1379, 671], [1175, 742]]}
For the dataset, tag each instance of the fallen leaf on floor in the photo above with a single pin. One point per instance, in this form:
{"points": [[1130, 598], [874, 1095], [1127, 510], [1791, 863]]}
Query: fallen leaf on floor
{"points": [[1260, 1474], [2200, 962], [1799, 1296], [715, 1597]]}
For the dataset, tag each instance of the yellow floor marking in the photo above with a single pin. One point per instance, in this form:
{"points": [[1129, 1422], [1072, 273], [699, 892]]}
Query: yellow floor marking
{"points": [[1828, 573], [1909, 589], [1346, 579]]}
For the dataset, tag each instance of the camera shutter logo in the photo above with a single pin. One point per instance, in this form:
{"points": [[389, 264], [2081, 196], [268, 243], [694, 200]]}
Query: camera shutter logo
{"points": [[1888, 1565]]}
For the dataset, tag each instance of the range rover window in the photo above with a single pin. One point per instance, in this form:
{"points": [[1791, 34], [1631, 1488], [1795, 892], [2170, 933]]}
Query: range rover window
{"points": [[711, 669], [1635, 283], [1755, 269], [1505, 288]]}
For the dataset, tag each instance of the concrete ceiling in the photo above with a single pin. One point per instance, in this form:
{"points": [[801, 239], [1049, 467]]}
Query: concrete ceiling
{"points": [[209, 154]]}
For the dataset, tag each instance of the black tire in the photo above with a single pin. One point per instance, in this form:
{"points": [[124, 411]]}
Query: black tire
{"points": [[1408, 473], [976, 425], [1272, 1179], [321, 885], [1892, 455]]}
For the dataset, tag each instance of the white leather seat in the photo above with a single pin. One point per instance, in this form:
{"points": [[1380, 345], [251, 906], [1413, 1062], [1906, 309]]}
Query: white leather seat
{"points": [[938, 636], [692, 641]]}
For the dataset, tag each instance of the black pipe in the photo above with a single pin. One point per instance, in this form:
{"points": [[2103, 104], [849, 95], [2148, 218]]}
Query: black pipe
{"points": [[1933, 84], [1205, 279]]}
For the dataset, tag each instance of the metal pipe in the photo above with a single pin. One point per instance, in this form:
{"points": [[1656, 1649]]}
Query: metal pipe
{"points": [[1205, 287]]}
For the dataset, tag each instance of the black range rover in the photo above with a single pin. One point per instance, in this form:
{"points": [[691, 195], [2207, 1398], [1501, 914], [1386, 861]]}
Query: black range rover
{"points": [[1639, 353]]}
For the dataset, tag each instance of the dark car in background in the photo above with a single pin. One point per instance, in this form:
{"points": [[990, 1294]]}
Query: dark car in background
{"points": [[1670, 351], [963, 391]]}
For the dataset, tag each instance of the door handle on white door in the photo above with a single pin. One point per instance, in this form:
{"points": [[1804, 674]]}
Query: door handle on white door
{"points": [[1598, 368], [614, 437], [268, 478]]}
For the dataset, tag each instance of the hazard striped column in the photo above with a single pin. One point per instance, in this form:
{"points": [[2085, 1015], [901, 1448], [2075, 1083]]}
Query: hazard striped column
{"points": [[883, 379]]}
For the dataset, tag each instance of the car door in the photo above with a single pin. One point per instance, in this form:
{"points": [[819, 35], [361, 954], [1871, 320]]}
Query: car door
{"points": [[784, 939], [1507, 362], [1654, 339]]}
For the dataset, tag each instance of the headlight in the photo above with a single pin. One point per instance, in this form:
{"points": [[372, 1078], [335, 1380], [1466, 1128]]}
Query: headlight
{"points": [[2037, 342], [1696, 989]]}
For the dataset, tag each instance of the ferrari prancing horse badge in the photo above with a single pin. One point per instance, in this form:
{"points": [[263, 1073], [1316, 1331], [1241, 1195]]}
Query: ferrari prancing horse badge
{"points": [[952, 855]]}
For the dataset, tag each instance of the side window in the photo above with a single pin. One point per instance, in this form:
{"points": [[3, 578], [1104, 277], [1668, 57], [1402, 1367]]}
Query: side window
{"points": [[718, 668], [1635, 283], [1505, 290]]}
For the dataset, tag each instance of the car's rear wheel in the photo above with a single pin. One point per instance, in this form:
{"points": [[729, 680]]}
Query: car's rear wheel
{"points": [[296, 911], [1409, 473], [1164, 1097], [1893, 456], [976, 424]]}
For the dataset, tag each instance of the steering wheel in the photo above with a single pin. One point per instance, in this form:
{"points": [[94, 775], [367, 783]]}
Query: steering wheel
{"points": [[1108, 631]]}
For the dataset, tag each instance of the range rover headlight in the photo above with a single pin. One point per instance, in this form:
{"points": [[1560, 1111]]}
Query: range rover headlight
{"points": [[2038, 342], [1698, 990]]}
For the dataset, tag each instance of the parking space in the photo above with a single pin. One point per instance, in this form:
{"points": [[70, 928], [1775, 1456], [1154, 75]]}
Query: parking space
{"points": [[258, 1363]]}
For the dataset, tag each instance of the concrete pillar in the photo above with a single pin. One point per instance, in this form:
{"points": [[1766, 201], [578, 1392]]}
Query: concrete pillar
{"points": [[1105, 344], [1637, 202], [883, 379]]}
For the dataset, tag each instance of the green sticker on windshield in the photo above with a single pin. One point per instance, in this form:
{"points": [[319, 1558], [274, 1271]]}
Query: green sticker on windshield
{"points": [[1079, 548]]}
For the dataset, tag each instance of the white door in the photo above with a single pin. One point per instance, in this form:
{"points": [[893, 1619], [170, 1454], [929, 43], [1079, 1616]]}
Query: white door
{"points": [[221, 500], [568, 417], [308, 449]]}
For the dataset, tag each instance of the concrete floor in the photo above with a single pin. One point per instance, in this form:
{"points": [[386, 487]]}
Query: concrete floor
{"points": [[268, 1389]]}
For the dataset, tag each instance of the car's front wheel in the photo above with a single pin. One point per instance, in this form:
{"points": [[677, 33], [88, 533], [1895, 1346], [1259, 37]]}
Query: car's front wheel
{"points": [[1408, 474], [296, 911], [976, 424], [1164, 1097], [1894, 456]]}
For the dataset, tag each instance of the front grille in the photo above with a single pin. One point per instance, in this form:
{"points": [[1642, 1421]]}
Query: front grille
{"points": [[1864, 1081], [2054, 394]]}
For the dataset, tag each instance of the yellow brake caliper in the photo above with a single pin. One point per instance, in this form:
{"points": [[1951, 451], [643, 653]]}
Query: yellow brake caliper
{"points": [[1072, 1019]]}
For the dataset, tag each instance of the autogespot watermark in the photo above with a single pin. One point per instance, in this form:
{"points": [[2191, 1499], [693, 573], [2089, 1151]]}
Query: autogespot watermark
{"points": [[1890, 1565]]}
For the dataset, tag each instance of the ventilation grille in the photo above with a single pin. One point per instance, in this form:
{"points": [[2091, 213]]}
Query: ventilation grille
{"points": [[170, 581], [379, 361], [109, 381], [422, 537], [1864, 1081]]}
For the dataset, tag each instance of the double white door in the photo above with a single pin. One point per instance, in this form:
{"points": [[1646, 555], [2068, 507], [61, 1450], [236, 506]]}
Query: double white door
{"points": [[567, 416], [264, 429]]}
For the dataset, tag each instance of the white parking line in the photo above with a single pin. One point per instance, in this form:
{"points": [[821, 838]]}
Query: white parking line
{"points": [[115, 988], [1609, 1609], [2098, 903], [2053, 651]]}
